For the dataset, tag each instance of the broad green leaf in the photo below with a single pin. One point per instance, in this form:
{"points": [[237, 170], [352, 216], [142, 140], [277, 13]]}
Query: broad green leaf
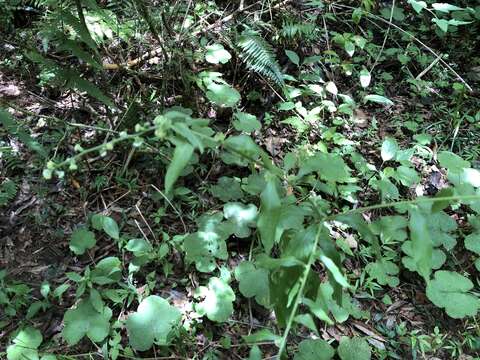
{"points": [[472, 243], [307, 321], [314, 350], [154, 322], [262, 336], [421, 244], [354, 349], [292, 55], [227, 189], [331, 88], [330, 167], [441, 23], [450, 290], [223, 95], [445, 7], [270, 211], [217, 302], [246, 122], [389, 149], [418, 6], [181, 156], [452, 161], [384, 271], [365, 78], [255, 353], [407, 175], [253, 282], [208, 243], [82, 240], [107, 224], [240, 150], [107, 271], [25, 345], [85, 320], [216, 54], [378, 99], [349, 48], [241, 216]]}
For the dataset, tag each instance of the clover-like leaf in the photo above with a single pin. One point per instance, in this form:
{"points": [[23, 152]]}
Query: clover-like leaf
{"points": [[241, 216], [25, 345], [223, 95], [208, 243], [354, 349], [253, 282], [154, 322], [216, 54], [82, 240], [317, 349], [85, 320], [450, 290], [217, 302], [246, 122]]}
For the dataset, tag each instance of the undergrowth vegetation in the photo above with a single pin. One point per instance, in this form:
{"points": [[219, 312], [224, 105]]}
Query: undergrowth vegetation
{"points": [[239, 180]]}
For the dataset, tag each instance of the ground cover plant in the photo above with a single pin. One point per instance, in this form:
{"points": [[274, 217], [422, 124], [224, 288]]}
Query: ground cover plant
{"points": [[239, 179]]}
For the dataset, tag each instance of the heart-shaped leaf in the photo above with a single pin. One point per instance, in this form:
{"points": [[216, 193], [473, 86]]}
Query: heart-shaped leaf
{"points": [[450, 290], [314, 350], [154, 322], [223, 95], [354, 349]]}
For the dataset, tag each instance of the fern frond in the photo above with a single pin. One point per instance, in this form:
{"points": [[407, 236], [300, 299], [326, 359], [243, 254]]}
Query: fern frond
{"points": [[8, 190], [294, 30], [259, 56]]}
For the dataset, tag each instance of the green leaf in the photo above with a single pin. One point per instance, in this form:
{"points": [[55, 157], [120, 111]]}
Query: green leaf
{"points": [[334, 270], [218, 300], [446, 8], [107, 271], [82, 240], [25, 345], [107, 224], [472, 243], [227, 189], [349, 48], [418, 6], [378, 99], [255, 353], [253, 282], [270, 211], [314, 350], [449, 290], [181, 156], [441, 23], [223, 95], [216, 54], [389, 149], [154, 322], [407, 176], [452, 161], [241, 216], [292, 55], [354, 349], [246, 122], [330, 167], [421, 244], [240, 150], [208, 243], [85, 320], [365, 78], [384, 271]]}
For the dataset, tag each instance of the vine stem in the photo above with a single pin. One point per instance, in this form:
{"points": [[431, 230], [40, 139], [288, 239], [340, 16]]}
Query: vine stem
{"points": [[313, 254]]}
